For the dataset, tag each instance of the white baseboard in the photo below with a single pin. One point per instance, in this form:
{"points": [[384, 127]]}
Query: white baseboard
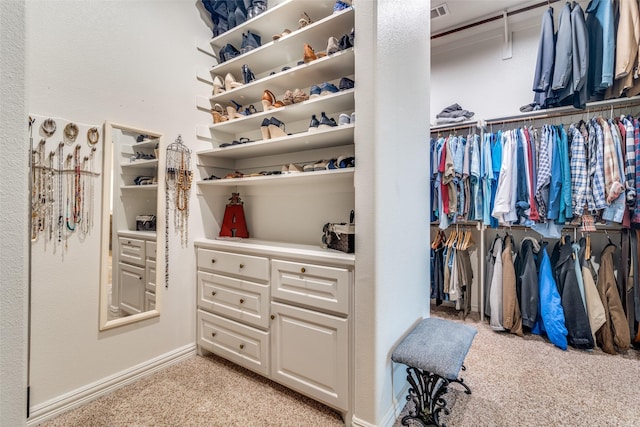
{"points": [[392, 413], [80, 396]]}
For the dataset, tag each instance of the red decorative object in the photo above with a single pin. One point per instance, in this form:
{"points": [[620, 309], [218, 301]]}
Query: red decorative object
{"points": [[234, 223]]}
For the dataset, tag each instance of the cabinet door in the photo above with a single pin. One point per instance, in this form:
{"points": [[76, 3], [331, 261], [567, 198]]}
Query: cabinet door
{"points": [[309, 353], [150, 271], [149, 301], [316, 286], [132, 284]]}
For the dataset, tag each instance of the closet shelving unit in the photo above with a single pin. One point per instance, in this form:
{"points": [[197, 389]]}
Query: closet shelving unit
{"points": [[528, 119], [258, 298]]}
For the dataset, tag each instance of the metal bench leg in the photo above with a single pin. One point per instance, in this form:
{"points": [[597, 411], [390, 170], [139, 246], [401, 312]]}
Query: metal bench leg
{"points": [[426, 393], [461, 382]]}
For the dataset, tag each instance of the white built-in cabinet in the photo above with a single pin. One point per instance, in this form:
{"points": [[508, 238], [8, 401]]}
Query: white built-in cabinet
{"points": [[279, 303]]}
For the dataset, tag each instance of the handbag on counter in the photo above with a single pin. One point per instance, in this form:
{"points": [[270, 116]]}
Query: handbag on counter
{"points": [[340, 236]]}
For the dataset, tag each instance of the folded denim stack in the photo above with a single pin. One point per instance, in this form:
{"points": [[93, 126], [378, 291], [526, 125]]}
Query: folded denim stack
{"points": [[226, 14]]}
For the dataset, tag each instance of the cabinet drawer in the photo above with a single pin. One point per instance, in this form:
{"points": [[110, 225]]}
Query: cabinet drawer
{"points": [[310, 353], [150, 271], [244, 345], [238, 299], [247, 266], [151, 249], [325, 288], [132, 250]]}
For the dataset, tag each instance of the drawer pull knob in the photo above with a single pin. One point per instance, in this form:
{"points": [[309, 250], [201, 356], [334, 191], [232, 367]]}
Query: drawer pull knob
{"points": [[139, 277], [213, 293], [241, 346], [213, 261], [241, 301], [213, 334], [241, 265], [273, 316], [302, 270], [128, 242]]}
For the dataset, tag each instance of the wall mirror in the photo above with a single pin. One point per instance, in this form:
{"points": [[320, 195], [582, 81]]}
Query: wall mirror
{"points": [[131, 279]]}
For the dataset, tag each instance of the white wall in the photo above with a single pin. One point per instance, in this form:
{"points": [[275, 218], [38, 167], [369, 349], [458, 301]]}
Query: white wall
{"points": [[392, 268], [133, 63], [14, 224]]}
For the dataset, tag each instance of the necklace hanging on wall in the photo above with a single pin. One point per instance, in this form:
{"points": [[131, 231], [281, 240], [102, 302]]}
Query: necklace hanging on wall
{"points": [[179, 177], [93, 136], [49, 127]]}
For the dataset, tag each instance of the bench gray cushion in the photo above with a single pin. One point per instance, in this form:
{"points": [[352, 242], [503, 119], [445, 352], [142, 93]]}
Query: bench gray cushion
{"points": [[436, 345]]}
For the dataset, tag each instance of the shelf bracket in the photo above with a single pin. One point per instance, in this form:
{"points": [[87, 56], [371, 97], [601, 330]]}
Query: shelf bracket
{"points": [[202, 103], [206, 49], [204, 76], [203, 132], [507, 47]]}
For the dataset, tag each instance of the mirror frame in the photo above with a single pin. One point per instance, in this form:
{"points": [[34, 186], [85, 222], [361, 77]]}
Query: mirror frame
{"points": [[107, 164]]}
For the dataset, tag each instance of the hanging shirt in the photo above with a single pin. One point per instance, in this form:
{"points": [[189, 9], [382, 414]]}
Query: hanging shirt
{"points": [[615, 210], [487, 178], [555, 189], [629, 162], [601, 28], [596, 165], [580, 44], [627, 42], [544, 174], [543, 75], [579, 173], [562, 83], [495, 299], [475, 176], [563, 154], [504, 192], [532, 174], [636, 138]]}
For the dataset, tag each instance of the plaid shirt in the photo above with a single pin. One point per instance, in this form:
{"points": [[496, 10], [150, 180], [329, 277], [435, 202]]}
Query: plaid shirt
{"points": [[544, 173], [596, 166], [612, 177], [636, 138], [630, 163], [579, 173]]}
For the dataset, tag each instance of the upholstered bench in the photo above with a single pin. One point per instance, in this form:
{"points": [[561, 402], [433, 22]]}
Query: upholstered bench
{"points": [[434, 353]]}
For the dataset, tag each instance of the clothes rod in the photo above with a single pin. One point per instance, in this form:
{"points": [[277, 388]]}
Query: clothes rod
{"points": [[493, 18], [568, 111], [453, 126]]}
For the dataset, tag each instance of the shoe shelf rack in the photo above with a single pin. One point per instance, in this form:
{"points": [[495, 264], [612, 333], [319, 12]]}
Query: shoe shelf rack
{"points": [[309, 140], [328, 68], [326, 176], [288, 50]]}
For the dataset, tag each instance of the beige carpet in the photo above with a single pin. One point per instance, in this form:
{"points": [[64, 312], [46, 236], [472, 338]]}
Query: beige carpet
{"points": [[515, 382]]}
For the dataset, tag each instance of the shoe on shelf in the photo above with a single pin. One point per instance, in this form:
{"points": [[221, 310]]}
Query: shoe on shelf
{"points": [[285, 32], [345, 42], [299, 96], [218, 85], [230, 82], [320, 165], [353, 118], [314, 123], [309, 54], [340, 6], [264, 128], [257, 7], [241, 18], [293, 168], [332, 46], [344, 119], [231, 19], [304, 20], [314, 91], [269, 101], [248, 111], [308, 167], [219, 114], [276, 128], [326, 122], [250, 41], [344, 162], [247, 74], [235, 112], [346, 83], [328, 88], [287, 99], [332, 164], [228, 52]]}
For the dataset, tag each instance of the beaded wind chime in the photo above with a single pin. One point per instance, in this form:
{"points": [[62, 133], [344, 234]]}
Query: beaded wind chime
{"points": [[178, 181]]}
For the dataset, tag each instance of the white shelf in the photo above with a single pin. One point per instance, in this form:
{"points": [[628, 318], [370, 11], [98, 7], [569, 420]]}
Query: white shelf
{"points": [[146, 143], [141, 163], [275, 20], [139, 187], [328, 68], [340, 101], [289, 178], [333, 137], [149, 235]]}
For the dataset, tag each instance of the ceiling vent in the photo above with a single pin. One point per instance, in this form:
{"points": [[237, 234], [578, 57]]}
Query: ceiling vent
{"points": [[439, 11]]}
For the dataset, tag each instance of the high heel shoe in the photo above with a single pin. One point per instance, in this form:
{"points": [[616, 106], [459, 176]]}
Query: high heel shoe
{"points": [[219, 114], [230, 82], [332, 46], [309, 54], [264, 128], [269, 101], [234, 112], [247, 74], [250, 41], [218, 85], [304, 20], [276, 128]]}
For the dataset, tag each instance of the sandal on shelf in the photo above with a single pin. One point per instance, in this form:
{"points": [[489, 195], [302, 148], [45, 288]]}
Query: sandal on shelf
{"points": [[242, 140], [249, 110], [235, 174], [234, 112], [276, 128], [309, 54], [247, 74], [287, 99], [299, 96], [219, 114], [230, 82], [210, 178], [285, 32], [269, 101], [304, 20]]}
